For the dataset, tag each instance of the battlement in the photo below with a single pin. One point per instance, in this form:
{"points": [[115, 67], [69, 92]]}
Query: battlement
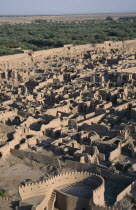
{"points": [[3, 199], [41, 188], [16, 61], [5, 203], [61, 176]]}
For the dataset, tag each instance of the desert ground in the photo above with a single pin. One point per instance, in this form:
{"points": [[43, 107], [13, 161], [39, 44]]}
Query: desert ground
{"points": [[29, 19]]}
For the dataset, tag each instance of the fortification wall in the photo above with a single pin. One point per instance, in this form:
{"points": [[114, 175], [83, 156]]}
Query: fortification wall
{"points": [[36, 157], [98, 169], [98, 195], [5, 203], [68, 202], [25, 60], [118, 178], [46, 188], [15, 61], [125, 192], [129, 45]]}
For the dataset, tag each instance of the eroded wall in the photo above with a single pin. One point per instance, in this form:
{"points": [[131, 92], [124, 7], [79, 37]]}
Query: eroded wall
{"points": [[27, 60]]}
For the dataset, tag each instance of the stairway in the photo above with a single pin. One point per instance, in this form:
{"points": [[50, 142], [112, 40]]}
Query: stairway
{"points": [[52, 201]]}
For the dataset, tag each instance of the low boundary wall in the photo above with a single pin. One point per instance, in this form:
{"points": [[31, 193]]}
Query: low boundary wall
{"points": [[49, 160]]}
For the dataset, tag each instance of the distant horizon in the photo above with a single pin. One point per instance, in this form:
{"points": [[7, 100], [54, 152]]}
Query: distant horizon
{"points": [[65, 14]]}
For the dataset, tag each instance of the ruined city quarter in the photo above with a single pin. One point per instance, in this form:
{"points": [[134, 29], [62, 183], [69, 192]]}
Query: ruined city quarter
{"points": [[68, 105]]}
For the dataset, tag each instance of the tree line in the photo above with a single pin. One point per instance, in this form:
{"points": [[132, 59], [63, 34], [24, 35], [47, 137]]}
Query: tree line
{"points": [[45, 35]]}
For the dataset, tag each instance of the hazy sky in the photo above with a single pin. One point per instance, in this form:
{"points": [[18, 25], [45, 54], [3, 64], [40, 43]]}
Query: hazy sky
{"points": [[45, 7]]}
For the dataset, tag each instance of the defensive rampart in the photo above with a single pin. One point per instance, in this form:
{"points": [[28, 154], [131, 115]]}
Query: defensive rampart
{"points": [[98, 169], [105, 173], [46, 188], [25, 61], [5, 203]]}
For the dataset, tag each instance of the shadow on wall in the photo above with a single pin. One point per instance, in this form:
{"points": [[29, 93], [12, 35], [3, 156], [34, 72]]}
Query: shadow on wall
{"points": [[68, 202], [99, 129]]}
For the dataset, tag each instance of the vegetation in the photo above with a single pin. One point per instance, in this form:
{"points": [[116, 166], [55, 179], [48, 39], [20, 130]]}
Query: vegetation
{"points": [[2, 193], [43, 35], [128, 18], [109, 18], [133, 200]]}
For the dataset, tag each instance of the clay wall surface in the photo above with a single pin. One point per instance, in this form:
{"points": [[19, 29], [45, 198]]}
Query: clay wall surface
{"points": [[8, 115], [47, 187], [119, 178], [115, 153], [25, 60], [37, 133], [42, 84], [125, 192], [19, 134], [53, 111], [15, 61], [8, 102], [5, 203], [129, 45], [68, 202], [98, 169], [99, 129], [95, 119], [55, 123], [124, 106], [36, 157], [5, 150], [98, 195], [128, 70]]}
